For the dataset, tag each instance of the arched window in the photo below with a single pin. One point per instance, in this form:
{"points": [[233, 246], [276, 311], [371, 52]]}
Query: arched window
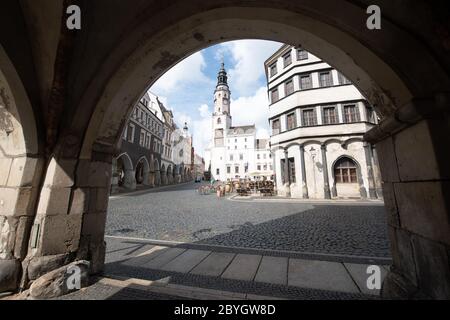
{"points": [[219, 121], [345, 171]]}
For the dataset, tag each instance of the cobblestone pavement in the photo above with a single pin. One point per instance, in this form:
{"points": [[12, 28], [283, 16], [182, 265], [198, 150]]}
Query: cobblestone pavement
{"points": [[180, 214]]}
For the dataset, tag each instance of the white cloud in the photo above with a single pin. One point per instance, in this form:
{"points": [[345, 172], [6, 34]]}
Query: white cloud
{"points": [[199, 126], [187, 72], [248, 57], [252, 110]]}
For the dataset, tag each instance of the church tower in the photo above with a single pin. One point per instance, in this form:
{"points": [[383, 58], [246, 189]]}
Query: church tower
{"points": [[221, 116]]}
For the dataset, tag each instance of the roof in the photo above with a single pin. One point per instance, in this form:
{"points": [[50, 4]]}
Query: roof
{"points": [[242, 130]]}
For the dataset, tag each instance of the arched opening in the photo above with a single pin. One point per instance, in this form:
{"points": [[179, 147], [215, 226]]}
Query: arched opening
{"points": [[409, 97], [143, 172], [347, 176], [21, 163], [125, 173]]}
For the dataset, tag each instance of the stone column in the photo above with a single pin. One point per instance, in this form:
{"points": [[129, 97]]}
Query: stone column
{"points": [[326, 181], [287, 178], [130, 179], [370, 177], [377, 174], [303, 165], [414, 157]]}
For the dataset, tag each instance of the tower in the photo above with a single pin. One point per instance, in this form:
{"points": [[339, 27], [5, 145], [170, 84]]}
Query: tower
{"points": [[221, 117]]}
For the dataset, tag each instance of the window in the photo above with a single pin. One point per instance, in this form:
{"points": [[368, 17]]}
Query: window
{"points": [[265, 167], [291, 121], [343, 79], [235, 140], [142, 139], [330, 115], [351, 114], [231, 157], [274, 95], [345, 171], [275, 126], [228, 169], [325, 79], [147, 140], [219, 121], [273, 69], [289, 87], [265, 156], [309, 117], [287, 59], [302, 54], [305, 82], [235, 147], [370, 114], [291, 170], [258, 167], [245, 139], [241, 157], [218, 171], [246, 168], [130, 133], [236, 169], [258, 156]]}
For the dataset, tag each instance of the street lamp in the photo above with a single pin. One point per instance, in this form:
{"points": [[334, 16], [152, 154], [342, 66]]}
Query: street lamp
{"points": [[313, 153]]}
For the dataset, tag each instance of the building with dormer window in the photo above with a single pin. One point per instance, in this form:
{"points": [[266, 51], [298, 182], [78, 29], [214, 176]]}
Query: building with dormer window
{"points": [[318, 119]]}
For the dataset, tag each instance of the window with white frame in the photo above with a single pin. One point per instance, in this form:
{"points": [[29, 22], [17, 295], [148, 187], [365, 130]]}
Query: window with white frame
{"points": [[287, 59], [288, 87], [309, 117], [305, 82], [302, 54], [330, 115], [351, 113], [325, 79]]}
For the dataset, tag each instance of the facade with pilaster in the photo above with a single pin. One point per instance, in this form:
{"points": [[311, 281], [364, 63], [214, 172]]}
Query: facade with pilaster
{"points": [[318, 119]]}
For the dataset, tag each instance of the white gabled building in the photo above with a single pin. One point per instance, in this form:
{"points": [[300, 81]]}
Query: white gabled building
{"points": [[234, 152], [318, 120]]}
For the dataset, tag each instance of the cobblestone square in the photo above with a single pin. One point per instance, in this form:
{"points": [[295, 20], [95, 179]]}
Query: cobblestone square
{"points": [[180, 214]]}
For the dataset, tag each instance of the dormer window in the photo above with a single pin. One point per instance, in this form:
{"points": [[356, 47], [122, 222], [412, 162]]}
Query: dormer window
{"points": [[273, 69]]}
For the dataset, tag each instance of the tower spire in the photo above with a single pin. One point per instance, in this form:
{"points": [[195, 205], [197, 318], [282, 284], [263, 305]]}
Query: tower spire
{"points": [[222, 78]]}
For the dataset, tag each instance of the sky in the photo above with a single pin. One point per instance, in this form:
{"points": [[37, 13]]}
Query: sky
{"points": [[188, 88]]}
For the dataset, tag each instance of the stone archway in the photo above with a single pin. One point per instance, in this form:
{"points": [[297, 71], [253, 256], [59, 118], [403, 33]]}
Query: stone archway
{"points": [[143, 172], [21, 165], [126, 172], [412, 97], [169, 174], [343, 186]]}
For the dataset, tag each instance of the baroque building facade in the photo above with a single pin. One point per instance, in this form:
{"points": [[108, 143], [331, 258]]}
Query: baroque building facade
{"points": [[318, 119], [234, 151], [146, 155]]}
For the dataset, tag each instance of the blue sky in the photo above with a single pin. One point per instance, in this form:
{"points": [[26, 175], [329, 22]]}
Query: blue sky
{"points": [[188, 88]]}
